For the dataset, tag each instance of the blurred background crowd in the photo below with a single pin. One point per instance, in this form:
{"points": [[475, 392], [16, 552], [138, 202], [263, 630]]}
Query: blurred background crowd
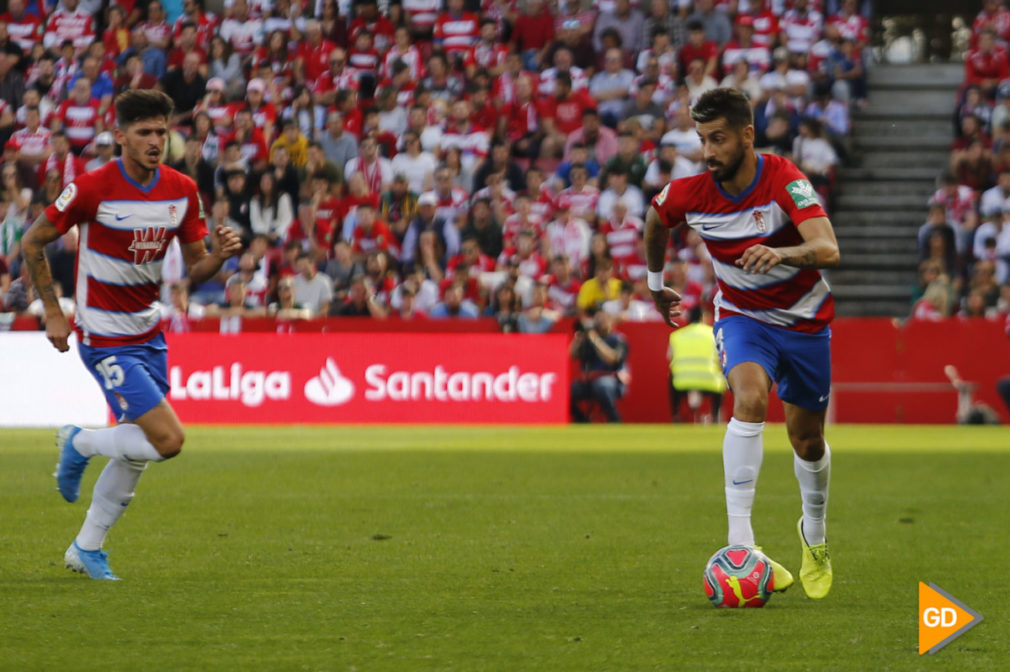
{"points": [[428, 160]]}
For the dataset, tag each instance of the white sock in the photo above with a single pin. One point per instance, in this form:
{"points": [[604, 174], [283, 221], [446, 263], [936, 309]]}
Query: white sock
{"points": [[113, 493], [122, 442], [742, 451], [814, 478]]}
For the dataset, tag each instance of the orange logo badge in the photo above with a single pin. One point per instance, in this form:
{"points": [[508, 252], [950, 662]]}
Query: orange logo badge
{"points": [[942, 618]]}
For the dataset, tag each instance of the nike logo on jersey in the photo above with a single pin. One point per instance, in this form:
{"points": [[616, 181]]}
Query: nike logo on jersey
{"points": [[742, 482], [120, 218], [823, 398], [707, 227]]}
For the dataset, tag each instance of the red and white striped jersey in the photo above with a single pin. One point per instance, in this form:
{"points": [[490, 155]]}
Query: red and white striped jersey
{"points": [[205, 25], [75, 26], [484, 57], [581, 203], [363, 61], [125, 230], [35, 143], [622, 239], [243, 36], [79, 121], [452, 205], [516, 222], [411, 57], [766, 213], [26, 32], [456, 34], [802, 31], [472, 142], [157, 32], [421, 14], [855, 27], [766, 27]]}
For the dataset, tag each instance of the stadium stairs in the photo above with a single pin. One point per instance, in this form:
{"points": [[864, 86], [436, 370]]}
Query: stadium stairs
{"points": [[901, 143]]}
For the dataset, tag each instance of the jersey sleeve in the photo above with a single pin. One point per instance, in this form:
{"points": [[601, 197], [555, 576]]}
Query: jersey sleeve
{"points": [[796, 195], [71, 207], [194, 226], [669, 207]]}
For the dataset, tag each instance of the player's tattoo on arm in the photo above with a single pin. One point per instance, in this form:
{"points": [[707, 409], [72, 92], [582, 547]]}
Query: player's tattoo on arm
{"points": [[802, 256], [33, 247]]}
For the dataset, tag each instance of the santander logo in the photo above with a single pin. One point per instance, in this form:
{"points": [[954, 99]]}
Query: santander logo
{"points": [[330, 387]]}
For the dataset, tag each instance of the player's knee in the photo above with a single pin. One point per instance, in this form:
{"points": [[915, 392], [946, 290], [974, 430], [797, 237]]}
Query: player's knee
{"points": [[809, 446], [169, 444], [750, 405]]}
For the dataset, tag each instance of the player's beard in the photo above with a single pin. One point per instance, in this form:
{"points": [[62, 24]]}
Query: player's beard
{"points": [[726, 172]]}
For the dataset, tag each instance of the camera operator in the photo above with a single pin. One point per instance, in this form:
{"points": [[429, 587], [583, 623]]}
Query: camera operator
{"points": [[601, 352]]}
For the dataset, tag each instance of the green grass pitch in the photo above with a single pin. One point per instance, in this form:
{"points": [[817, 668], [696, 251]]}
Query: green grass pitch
{"points": [[564, 548]]}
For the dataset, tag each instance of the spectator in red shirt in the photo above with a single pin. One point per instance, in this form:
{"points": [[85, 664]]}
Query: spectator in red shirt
{"points": [[993, 15], [368, 18], [698, 47], [79, 116], [253, 145], [987, 65], [561, 114], [313, 56], [24, 29], [62, 160], [370, 233], [455, 32], [533, 33]]}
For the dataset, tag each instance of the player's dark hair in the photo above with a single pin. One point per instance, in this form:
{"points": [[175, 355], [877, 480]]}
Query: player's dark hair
{"points": [[135, 105], [724, 103]]}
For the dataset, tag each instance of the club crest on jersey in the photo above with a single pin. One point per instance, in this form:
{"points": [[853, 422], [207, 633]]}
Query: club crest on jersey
{"points": [[662, 195], [66, 197], [147, 243], [803, 193], [759, 221], [173, 215]]}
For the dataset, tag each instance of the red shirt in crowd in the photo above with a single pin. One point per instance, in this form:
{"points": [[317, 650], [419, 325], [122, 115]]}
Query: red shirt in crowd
{"points": [[381, 29], [79, 121], [979, 66], [25, 32], [567, 113], [456, 34], [315, 60], [534, 32]]}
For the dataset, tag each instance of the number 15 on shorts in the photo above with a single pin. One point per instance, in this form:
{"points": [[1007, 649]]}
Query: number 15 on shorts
{"points": [[111, 372]]}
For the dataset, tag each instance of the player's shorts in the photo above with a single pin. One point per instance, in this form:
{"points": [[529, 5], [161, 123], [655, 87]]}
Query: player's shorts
{"points": [[134, 378], [799, 363]]}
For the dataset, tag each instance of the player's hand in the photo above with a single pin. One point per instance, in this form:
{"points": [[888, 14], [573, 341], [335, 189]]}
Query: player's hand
{"points": [[58, 331], [668, 304], [759, 259], [225, 242]]}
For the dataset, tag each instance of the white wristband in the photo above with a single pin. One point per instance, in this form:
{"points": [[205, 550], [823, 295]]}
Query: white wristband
{"points": [[655, 280]]}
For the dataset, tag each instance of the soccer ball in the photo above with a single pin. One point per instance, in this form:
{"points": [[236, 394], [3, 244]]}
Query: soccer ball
{"points": [[738, 576]]}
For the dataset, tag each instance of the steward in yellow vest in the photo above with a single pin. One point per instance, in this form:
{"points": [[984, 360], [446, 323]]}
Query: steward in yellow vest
{"points": [[695, 367]]}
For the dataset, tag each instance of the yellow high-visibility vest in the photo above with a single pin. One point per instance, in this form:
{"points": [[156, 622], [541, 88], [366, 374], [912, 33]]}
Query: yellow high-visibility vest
{"points": [[695, 363]]}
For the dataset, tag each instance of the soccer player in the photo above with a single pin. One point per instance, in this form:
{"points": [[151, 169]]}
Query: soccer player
{"points": [[768, 235], [127, 213]]}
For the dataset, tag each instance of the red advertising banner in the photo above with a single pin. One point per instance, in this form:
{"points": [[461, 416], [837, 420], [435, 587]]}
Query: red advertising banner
{"points": [[369, 378]]}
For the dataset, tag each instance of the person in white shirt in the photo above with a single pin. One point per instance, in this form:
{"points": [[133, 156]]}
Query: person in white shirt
{"points": [[618, 188], [569, 236], [418, 165]]}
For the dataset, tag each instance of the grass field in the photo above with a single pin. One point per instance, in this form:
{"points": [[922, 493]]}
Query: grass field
{"points": [[569, 548]]}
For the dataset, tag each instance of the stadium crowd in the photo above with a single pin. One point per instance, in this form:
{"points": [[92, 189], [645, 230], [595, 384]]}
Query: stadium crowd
{"points": [[419, 160], [964, 245]]}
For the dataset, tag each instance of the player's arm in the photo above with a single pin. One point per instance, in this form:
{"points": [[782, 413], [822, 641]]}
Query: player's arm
{"points": [[33, 246], [819, 249], [657, 238], [201, 264]]}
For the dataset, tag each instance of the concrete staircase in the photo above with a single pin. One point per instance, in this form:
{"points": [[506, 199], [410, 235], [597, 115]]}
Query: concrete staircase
{"points": [[901, 144]]}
